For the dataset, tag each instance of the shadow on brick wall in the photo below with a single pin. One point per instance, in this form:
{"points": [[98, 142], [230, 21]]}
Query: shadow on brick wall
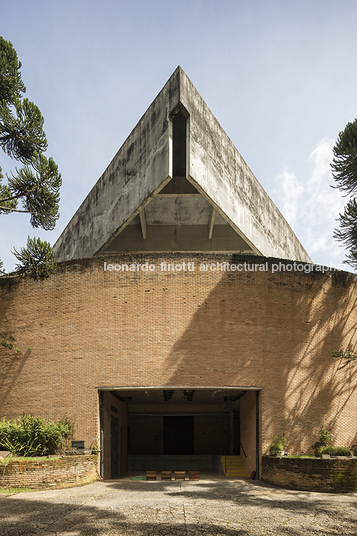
{"points": [[276, 332]]}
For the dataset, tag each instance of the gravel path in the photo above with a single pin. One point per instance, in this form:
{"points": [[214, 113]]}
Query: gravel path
{"points": [[214, 506]]}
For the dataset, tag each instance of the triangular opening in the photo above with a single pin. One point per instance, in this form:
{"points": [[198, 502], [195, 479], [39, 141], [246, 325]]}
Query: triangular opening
{"points": [[179, 186], [178, 222]]}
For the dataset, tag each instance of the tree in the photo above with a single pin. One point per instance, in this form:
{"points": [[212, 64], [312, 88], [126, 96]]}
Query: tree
{"points": [[37, 183], [36, 259], [344, 172]]}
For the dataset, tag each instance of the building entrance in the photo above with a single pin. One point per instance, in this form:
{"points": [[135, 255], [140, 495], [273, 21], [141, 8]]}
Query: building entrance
{"points": [[178, 434], [151, 428]]}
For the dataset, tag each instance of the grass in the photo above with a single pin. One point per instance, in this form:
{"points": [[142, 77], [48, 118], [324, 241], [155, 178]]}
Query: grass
{"points": [[13, 491], [301, 456], [28, 458]]}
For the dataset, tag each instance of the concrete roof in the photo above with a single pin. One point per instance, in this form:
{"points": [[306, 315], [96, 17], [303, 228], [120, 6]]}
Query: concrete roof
{"points": [[218, 205]]}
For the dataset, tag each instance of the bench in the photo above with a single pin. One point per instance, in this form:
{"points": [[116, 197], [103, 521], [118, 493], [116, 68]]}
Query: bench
{"points": [[180, 475]]}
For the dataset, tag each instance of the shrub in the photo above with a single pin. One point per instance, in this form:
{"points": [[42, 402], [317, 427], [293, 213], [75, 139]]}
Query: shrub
{"points": [[278, 445], [336, 451], [342, 451], [325, 437], [327, 450], [30, 436]]}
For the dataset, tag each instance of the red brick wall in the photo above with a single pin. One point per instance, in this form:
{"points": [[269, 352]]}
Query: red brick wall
{"points": [[90, 329], [311, 474], [49, 473]]}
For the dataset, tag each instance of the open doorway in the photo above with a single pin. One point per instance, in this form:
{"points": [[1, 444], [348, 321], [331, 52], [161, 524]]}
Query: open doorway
{"points": [[151, 428], [178, 434]]}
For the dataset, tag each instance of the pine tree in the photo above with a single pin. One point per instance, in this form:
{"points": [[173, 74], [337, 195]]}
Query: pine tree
{"points": [[344, 171], [37, 183]]}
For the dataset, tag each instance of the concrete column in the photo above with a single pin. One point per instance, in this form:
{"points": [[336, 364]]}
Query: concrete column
{"points": [[231, 433]]}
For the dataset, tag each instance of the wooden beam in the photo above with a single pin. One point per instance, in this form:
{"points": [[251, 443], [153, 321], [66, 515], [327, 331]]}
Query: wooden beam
{"points": [[211, 223], [143, 223]]}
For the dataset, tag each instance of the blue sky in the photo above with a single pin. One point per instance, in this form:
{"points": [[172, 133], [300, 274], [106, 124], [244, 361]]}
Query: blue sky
{"points": [[280, 77]]}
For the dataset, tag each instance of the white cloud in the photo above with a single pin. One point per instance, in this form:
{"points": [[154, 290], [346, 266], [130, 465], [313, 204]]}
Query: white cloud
{"points": [[312, 206], [290, 195]]}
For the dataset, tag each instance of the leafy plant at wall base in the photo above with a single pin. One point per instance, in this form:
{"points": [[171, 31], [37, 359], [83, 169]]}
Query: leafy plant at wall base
{"points": [[278, 445], [336, 451], [327, 450], [342, 451], [30, 436], [95, 447], [325, 438]]}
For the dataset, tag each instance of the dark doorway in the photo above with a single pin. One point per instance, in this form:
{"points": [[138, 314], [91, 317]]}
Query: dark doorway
{"points": [[114, 441], [178, 437], [179, 145]]}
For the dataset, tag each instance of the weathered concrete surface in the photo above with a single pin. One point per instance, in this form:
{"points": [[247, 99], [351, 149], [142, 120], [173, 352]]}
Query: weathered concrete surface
{"points": [[140, 166], [143, 165], [218, 170], [214, 506]]}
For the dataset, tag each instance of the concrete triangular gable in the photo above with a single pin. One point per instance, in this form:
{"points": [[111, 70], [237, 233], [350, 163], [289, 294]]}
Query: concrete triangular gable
{"points": [[144, 165]]}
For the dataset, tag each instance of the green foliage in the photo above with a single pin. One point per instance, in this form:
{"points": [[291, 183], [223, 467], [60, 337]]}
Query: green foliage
{"points": [[344, 355], [342, 451], [13, 491], [325, 437], [278, 445], [11, 84], [344, 171], [336, 451], [95, 446], [30, 436], [326, 450], [347, 233], [7, 341], [21, 130], [344, 163], [36, 259], [37, 184]]}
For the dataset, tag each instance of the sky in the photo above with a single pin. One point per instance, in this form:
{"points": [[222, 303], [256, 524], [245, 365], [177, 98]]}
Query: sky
{"points": [[279, 75]]}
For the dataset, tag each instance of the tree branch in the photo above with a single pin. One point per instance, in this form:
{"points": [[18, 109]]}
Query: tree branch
{"points": [[5, 199], [8, 209]]}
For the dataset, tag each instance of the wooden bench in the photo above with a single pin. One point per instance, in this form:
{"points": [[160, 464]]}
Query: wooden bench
{"points": [[180, 475], [194, 475], [165, 475], [150, 475]]}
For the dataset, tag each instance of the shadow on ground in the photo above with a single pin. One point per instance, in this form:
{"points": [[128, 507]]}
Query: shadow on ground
{"points": [[163, 508]]}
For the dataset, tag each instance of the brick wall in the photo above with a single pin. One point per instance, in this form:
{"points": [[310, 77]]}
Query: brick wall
{"points": [[91, 329], [49, 473], [311, 474]]}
